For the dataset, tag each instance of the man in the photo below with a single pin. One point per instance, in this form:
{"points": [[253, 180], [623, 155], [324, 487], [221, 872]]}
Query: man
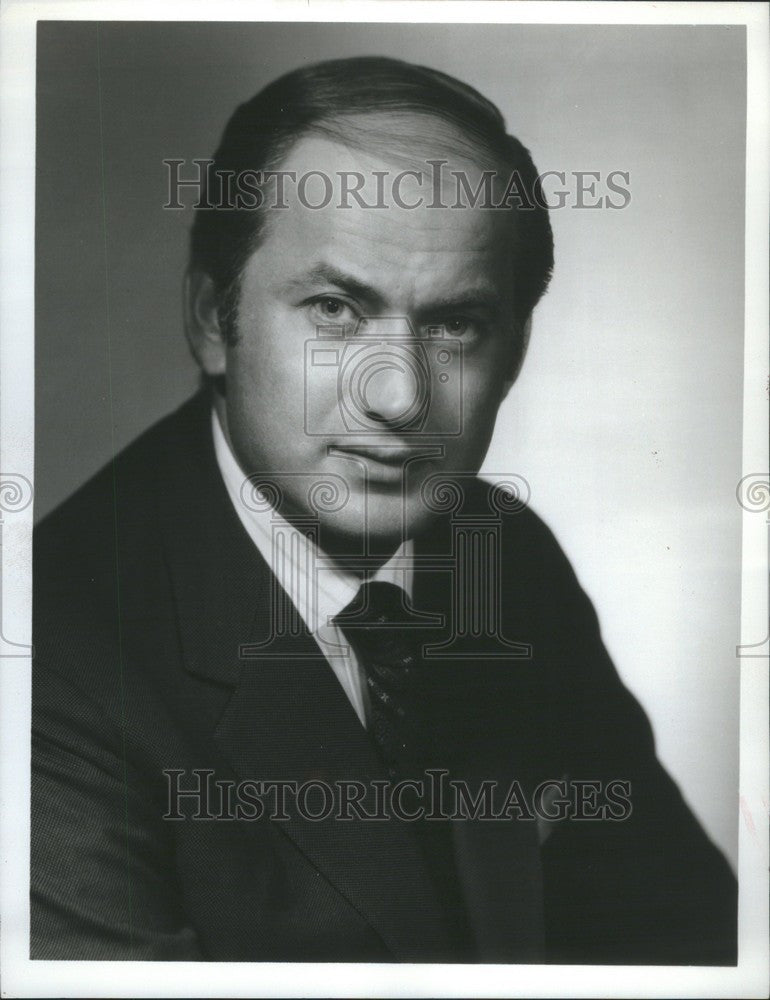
{"points": [[296, 588]]}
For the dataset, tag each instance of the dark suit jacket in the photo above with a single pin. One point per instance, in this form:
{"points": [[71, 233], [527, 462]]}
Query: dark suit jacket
{"points": [[145, 586]]}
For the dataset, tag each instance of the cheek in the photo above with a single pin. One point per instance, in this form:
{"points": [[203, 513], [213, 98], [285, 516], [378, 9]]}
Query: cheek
{"points": [[265, 370], [481, 401], [483, 382]]}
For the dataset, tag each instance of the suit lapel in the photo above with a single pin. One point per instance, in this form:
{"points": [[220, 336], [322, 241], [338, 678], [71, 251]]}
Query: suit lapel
{"points": [[289, 720]]}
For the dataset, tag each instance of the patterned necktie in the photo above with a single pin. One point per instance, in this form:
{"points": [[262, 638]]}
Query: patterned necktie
{"points": [[387, 638]]}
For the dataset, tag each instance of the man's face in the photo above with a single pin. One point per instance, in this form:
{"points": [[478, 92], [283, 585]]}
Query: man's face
{"points": [[374, 408]]}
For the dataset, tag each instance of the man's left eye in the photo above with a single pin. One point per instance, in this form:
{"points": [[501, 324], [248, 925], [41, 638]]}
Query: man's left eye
{"points": [[456, 326]]}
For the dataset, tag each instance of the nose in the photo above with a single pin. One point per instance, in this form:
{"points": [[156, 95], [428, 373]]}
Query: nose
{"points": [[394, 389]]}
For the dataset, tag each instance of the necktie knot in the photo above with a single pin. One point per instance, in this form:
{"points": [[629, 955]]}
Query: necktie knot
{"points": [[381, 627], [377, 604]]}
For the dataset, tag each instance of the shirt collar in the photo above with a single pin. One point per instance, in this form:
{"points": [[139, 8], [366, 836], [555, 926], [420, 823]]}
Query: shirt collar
{"points": [[318, 588]]}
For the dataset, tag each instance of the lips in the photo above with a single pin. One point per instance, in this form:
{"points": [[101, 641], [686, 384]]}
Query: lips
{"points": [[392, 455], [379, 466]]}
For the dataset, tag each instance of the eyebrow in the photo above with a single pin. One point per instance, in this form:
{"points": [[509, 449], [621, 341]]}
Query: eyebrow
{"points": [[322, 274], [484, 299], [327, 274]]}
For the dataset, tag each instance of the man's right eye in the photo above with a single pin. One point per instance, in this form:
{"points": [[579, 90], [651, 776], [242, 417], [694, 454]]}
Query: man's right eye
{"points": [[330, 309]]}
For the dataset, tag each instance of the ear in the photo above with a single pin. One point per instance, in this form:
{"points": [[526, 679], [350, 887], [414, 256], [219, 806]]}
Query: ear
{"points": [[201, 322], [518, 360]]}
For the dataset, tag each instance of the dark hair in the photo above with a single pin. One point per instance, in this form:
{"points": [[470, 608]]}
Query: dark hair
{"points": [[319, 98]]}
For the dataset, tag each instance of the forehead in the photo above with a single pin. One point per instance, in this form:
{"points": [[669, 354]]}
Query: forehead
{"points": [[407, 252]]}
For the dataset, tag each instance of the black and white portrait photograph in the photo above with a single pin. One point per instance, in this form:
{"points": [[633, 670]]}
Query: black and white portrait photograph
{"points": [[384, 502]]}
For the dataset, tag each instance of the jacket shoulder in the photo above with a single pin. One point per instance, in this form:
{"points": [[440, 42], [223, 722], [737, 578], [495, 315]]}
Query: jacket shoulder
{"points": [[526, 544], [122, 493], [112, 522]]}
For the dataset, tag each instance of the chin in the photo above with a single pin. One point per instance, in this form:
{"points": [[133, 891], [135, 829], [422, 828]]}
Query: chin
{"points": [[376, 528]]}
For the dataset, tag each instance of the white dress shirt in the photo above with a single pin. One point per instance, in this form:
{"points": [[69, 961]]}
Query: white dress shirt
{"points": [[317, 599]]}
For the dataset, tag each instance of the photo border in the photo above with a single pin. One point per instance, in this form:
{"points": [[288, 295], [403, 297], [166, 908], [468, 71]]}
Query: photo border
{"points": [[22, 977]]}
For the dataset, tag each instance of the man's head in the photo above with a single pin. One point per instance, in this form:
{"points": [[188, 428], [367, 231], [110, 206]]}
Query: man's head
{"points": [[368, 338]]}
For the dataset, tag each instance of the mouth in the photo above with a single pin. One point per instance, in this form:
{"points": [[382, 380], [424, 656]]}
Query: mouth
{"points": [[384, 464], [386, 454]]}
